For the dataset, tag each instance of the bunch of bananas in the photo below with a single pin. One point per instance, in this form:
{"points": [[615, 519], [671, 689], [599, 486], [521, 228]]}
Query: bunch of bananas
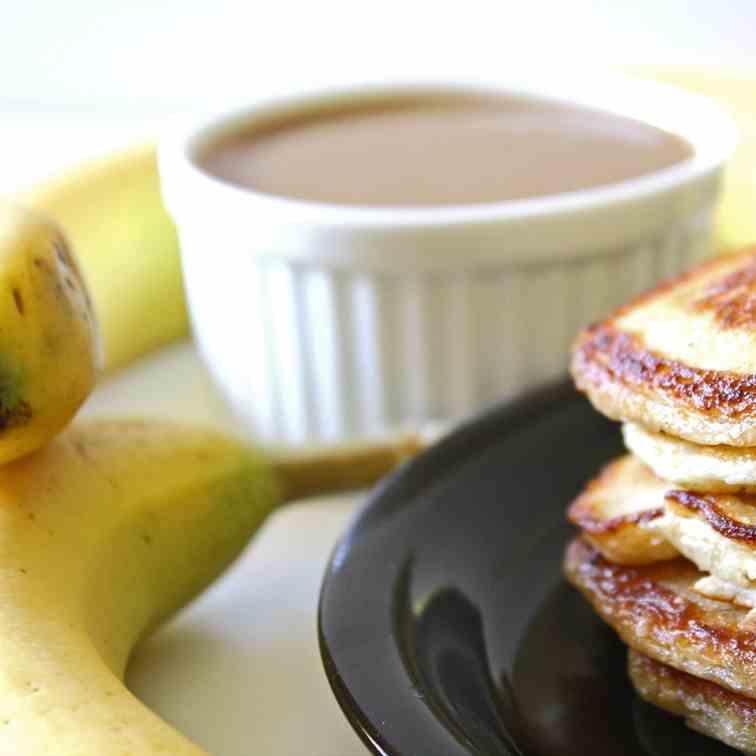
{"points": [[106, 528]]}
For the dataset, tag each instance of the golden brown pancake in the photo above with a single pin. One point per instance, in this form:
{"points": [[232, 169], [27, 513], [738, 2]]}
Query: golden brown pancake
{"points": [[707, 708], [682, 358], [714, 469], [616, 511], [655, 610], [717, 532], [633, 517]]}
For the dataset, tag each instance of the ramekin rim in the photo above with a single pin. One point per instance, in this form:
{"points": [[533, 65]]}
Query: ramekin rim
{"points": [[177, 150]]}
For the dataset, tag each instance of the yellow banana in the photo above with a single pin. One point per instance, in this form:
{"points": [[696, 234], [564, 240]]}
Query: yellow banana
{"points": [[111, 212], [105, 532], [48, 338]]}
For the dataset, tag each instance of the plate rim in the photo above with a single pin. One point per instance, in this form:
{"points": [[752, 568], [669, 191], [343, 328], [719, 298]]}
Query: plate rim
{"points": [[464, 442]]}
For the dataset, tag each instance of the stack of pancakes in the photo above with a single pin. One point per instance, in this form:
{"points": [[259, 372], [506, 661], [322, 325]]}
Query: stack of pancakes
{"points": [[667, 550]]}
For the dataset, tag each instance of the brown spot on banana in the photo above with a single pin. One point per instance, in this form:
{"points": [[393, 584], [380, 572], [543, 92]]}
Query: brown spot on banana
{"points": [[18, 300], [49, 345], [14, 416]]}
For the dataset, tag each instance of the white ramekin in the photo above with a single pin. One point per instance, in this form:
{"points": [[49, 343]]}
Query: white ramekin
{"points": [[321, 322]]}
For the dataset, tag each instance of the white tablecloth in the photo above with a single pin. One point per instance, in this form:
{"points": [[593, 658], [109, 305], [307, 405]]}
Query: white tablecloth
{"points": [[239, 670]]}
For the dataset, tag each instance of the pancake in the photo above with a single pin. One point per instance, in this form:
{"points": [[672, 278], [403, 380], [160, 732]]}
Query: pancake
{"points": [[716, 588], [682, 358], [715, 469], [717, 532], [632, 517], [616, 510], [656, 611], [706, 707]]}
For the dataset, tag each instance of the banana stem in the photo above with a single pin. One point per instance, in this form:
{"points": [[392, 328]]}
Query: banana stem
{"points": [[334, 469]]}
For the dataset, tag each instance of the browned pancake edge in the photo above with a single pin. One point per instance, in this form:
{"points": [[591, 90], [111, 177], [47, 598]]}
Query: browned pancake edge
{"points": [[655, 611], [707, 708]]}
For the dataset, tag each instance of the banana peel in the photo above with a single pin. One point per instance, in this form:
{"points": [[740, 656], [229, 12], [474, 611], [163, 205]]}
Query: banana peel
{"points": [[48, 337], [103, 534], [112, 214]]}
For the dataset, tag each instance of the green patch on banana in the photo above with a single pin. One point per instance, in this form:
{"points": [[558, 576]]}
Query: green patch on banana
{"points": [[14, 409]]}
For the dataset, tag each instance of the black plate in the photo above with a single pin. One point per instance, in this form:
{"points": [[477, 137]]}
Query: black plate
{"points": [[446, 627]]}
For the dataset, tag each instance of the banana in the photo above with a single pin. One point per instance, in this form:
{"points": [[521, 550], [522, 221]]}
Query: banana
{"points": [[48, 338], [103, 534], [111, 212]]}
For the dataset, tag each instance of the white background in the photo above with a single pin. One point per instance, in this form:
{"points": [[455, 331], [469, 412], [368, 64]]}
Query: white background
{"points": [[89, 74], [240, 669], [189, 52]]}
